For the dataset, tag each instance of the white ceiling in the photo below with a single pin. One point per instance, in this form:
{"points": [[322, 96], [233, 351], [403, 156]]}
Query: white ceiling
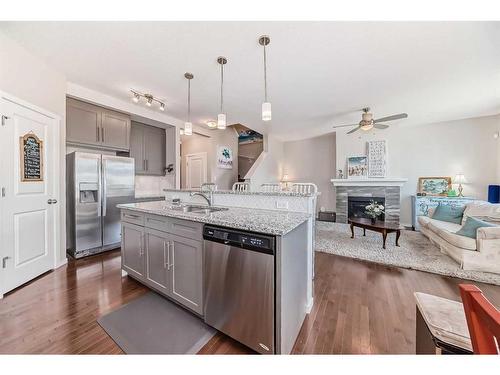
{"points": [[319, 73]]}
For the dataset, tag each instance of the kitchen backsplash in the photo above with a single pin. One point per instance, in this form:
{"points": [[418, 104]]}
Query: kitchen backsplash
{"points": [[152, 186]]}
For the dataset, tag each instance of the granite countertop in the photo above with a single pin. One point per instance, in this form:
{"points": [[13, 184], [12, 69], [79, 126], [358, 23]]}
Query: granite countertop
{"points": [[262, 221], [279, 193]]}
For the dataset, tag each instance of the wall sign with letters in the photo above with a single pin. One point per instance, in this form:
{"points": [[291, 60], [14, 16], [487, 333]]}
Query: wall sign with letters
{"points": [[31, 153]]}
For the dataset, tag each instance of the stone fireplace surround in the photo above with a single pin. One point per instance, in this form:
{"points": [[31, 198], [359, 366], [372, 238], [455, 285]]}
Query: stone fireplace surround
{"points": [[389, 188]]}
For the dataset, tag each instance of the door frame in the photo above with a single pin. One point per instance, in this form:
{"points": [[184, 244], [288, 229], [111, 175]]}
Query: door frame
{"points": [[57, 141], [203, 155]]}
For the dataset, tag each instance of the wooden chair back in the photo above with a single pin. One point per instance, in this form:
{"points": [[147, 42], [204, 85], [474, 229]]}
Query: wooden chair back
{"points": [[483, 320]]}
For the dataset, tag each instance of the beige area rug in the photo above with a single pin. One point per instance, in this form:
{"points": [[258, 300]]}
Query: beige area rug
{"points": [[415, 251]]}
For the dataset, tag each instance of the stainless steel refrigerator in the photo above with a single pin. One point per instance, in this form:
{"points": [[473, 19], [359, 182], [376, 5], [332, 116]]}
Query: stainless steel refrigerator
{"points": [[95, 185]]}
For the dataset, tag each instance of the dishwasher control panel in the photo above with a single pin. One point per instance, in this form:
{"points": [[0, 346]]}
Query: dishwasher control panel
{"points": [[241, 239]]}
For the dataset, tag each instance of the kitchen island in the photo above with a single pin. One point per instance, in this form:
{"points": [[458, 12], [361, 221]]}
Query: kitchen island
{"points": [[187, 253]]}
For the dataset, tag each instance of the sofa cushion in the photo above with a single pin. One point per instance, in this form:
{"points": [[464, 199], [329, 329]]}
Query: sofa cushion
{"points": [[469, 229], [454, 239], [482, 210], [437, 225], [451, 214]]}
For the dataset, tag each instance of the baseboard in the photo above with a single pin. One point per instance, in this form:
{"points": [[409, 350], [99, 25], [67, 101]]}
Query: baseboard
{"points": [[61, 263], [309, 306]]}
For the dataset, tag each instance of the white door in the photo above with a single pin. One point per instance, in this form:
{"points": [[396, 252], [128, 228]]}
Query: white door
{"points": [[196, 170], [28, 213]]}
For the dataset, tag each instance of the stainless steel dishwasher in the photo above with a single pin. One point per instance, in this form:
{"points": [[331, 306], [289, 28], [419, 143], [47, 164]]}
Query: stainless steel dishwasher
{"points": [[240, 286]]}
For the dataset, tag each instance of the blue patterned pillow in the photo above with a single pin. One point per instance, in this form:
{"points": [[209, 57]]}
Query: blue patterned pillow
{"points": [[471, 226], [451, 214]]}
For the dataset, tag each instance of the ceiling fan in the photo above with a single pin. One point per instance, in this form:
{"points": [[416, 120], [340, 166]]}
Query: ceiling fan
{"points": [[368, 122]]}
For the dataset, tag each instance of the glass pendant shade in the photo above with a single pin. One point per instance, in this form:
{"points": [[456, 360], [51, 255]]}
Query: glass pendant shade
{"points": [[188, 128], [266, 111], [221, 121]]}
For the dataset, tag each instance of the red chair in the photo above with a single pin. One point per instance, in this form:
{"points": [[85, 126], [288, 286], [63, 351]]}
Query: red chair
{"points": [[483, 320]]}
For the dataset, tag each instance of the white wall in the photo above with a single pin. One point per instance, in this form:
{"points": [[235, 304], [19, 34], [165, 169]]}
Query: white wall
{"points": [[224, 178], [29, 78], [313, 160], [439, 149], [268, 168]]}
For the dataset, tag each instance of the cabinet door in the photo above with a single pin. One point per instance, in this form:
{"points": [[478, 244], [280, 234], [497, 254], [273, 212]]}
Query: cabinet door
{"points": [[83, 122], [133, 249], [186, 261], [115, 130], [137, 147], [154, 147], [157, 259]]}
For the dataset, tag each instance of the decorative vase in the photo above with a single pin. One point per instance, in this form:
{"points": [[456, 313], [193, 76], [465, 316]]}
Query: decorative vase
{"points": [[373, 220]]}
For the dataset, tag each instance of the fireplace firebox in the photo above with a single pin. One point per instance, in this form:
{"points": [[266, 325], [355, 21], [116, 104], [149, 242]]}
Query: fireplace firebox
{"points": [[356, 206]]}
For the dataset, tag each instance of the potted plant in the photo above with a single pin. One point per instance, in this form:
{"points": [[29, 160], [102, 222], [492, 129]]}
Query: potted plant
{"points": [[374, 210]]}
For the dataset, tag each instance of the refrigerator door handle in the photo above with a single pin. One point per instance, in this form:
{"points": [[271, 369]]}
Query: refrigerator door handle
{"points": [[104, 188], [99, 191]]}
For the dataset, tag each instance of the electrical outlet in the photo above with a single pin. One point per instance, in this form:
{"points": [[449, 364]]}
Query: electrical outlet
{"points": [[282, 205]]}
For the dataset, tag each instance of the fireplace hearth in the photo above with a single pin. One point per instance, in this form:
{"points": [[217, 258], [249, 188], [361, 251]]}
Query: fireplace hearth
{"points": [[356, 206]]}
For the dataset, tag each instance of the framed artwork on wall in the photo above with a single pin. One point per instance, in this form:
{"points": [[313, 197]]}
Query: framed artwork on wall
{"points": [[377, 158], [434, 185], [224, 157], [357, 167]]}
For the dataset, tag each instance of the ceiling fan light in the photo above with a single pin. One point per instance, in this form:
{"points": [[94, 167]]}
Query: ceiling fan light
{"points": [[212, 124], [367, 127], [188, 128], [221, 121], [266, 111]]}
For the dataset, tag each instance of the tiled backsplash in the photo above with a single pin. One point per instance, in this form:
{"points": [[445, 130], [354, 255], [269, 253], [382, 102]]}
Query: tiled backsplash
{"points": [[152, 186]]}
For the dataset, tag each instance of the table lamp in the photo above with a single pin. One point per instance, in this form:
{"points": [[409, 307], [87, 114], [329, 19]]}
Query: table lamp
{"points": [[460, 179]]}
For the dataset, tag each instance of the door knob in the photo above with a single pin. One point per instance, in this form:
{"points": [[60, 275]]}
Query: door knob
{"points": [[52, 201]]}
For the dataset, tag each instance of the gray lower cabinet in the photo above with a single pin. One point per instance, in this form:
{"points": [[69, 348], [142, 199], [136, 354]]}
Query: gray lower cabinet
{"points": [[133, 253], [157, 254], [172, 264], [186, 272]]}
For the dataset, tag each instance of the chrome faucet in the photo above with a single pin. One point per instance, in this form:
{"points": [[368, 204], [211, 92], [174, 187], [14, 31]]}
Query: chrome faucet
{"points": [[208, 198]]}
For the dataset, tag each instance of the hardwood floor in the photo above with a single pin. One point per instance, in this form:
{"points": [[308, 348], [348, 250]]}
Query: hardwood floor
{"points": [[359, 308]]}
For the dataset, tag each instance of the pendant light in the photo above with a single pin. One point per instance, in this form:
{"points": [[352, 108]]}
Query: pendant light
{"points": [[188, 126], [221, 117], [264, 40]]}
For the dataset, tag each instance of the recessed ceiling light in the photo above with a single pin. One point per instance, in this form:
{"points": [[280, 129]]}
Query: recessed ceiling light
{"points": [[211, 124]]}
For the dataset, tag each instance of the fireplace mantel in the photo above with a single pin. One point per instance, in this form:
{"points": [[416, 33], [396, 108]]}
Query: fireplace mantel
{"points": [[389, 181]]}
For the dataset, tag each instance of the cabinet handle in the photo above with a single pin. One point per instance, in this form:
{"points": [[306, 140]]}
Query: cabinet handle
{"points": [[141, 246], [97, 134], [144, 164], [168, 255], [102, 133], [164, 254], [172, 264], [131, 216], [147, 164]]}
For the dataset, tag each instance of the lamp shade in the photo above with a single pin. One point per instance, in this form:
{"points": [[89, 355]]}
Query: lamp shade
{"points": [[188, 128], [459, 179]]}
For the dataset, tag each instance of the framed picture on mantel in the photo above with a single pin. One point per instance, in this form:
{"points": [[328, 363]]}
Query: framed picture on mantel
{"points": [[357, 167]]}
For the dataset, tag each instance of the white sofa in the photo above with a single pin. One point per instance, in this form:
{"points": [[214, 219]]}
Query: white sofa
{"points": [[481, 254]]}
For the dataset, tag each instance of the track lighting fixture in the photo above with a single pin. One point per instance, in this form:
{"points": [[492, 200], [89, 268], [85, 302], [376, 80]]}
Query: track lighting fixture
{"points": [[136, 97]]}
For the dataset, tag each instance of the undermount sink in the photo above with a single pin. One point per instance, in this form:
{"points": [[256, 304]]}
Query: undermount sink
{"points": [[197, 208]]}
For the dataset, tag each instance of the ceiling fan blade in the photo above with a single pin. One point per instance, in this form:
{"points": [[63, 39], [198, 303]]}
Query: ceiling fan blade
{"points": [[353, 130], [380, 126], [391, 118], [344, 126]]}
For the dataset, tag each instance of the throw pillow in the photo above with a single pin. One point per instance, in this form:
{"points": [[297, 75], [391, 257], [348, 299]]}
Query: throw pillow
{"points": [[471, 226], [451, 214]]}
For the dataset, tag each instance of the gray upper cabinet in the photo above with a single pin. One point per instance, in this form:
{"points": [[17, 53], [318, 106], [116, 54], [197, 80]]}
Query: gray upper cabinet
{"points": [[88, 124], [147, 147], [83, 123], [115, 130]]}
